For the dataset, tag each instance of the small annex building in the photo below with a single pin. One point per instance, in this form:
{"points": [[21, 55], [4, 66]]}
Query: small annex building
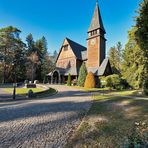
{"points": [[72, 54]]}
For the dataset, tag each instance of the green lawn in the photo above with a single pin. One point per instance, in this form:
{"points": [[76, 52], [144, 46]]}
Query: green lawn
{"points": [[113, 92], [113, 122], [23, 90]]}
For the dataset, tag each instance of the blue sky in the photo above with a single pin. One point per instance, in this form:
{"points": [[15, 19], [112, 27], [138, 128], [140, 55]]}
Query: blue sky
{"points": [[68, 18]]}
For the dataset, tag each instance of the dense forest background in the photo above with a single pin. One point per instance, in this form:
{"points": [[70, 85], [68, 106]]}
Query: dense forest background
{"points": [[21, 61]]}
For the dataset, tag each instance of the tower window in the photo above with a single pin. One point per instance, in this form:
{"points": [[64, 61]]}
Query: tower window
{"points": [[93, 32]]}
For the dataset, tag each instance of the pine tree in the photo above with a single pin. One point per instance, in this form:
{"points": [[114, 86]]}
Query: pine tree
{"points": [[11, 49], [82, 75], [30, 44], [43, 68], [55, 54], [142, 38]]}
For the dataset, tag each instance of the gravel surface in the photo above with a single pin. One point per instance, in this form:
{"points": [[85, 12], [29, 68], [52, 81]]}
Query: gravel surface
{"points": [[42, 123]]}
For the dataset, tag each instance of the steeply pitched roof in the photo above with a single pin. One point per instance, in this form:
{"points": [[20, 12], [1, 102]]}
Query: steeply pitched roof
{"points": [[102, 68], [101, 71], [96, 22], [77, 48]]}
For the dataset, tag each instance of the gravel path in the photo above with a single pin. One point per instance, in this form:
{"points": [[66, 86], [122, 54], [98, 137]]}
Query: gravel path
{"points": [[42, 123]]}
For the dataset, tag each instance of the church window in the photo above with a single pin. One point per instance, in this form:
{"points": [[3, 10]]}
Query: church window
{"points": [[95, 32], [65, 47]]}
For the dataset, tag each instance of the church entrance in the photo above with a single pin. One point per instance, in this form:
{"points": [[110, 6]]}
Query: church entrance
{"points": [[56, 77]]}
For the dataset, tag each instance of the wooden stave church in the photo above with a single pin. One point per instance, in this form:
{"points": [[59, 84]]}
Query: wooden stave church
{"points": [[72, 54]]}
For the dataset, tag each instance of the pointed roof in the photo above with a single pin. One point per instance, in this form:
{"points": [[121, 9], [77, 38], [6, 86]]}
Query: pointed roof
{"points": [[96, 22], [103, 67], [79, 51]]}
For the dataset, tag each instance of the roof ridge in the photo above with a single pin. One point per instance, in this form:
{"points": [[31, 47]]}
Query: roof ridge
{"points": [[75, 42]]}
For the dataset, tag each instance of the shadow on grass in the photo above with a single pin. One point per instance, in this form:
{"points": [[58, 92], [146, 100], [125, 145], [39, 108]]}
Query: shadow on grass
{"points": [[110, 120]]}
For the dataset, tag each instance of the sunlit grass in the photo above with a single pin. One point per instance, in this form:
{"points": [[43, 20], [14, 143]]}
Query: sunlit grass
{"points": [[124, 92], [108, 91], [22, 91]]}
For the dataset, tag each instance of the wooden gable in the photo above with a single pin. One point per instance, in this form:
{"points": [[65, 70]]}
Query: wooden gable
{"points": [[66, 57], [66, 51]]}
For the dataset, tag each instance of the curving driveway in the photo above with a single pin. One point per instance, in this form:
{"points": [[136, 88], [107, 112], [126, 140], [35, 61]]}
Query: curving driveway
{"points": [[42, 123]]}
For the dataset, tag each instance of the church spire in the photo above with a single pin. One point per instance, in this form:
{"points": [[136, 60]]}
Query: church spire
{"points": [[96, 22]]}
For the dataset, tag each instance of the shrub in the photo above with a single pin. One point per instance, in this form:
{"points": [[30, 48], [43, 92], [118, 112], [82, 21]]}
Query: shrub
{"points": [[114, 81], [30, 93], [82, 75], [90, 81], [102, 81], [109, 82], [69, 80]]}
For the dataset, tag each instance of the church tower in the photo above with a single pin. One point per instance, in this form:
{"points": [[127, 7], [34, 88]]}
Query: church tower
{"points": [[96, 42]]}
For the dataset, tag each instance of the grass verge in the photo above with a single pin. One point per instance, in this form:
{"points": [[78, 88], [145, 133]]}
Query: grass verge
{"points": [[113, 122], [23, 91]]}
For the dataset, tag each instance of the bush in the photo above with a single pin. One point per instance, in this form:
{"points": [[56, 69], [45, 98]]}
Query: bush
{"points": [[69, 80], [30, 93], [113, 81], [109, 82], [102, 81], [90, 81], [82, 75]]}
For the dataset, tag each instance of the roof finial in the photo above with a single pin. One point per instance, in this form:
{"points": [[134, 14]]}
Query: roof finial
{"points": [[96, 1]]}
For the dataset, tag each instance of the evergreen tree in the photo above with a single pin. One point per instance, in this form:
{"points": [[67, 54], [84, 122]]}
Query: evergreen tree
{"points": [[132, 65], [55, 55], [142, 39], [115, 57], [19, 61], [43, 68], [82, 75], [30, 44], [119, 49], [69, 80], [46, 61], [11, 49], [114, 60]]}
